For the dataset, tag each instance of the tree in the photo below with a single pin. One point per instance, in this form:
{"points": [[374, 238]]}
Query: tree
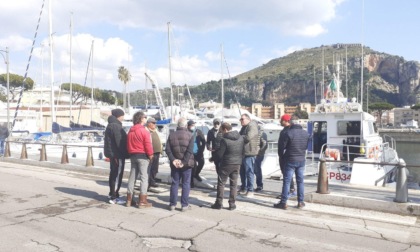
{"points": [[301, 113], [380, 108], [416, 107], [124, 76], [16, 83]]}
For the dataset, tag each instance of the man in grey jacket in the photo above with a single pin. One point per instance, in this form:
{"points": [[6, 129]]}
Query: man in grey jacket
{"points": [[230, 155], [249, 131]]}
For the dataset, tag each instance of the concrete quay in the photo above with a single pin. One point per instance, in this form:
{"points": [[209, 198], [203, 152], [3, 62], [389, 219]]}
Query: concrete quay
{"points": [[361, 198], [66, 209]]}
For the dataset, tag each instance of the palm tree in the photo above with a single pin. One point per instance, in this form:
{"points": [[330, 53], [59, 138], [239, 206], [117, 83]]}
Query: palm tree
{"points": [[124, 76]]}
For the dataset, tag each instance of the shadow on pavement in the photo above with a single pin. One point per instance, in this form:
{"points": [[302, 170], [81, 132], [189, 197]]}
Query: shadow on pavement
{"points": [[83, 193]]}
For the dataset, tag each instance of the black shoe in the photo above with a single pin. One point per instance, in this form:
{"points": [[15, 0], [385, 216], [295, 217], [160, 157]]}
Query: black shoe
{"points": [[153, 184], [301, 205], [259, 189], [197, 177], [216, 206], [232, 207], [281, 206]]}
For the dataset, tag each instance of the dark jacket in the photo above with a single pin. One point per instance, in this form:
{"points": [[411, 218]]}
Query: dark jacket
{"points": [[4, 132], [213, 140], [201, 142], [282, 132], [180, 146], [293, 144], [251, 138], [263, 144], [231, 150], [115, 142]]}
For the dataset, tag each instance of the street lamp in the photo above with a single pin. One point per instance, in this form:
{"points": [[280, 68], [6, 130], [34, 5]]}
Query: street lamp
{"points": [[6, 61]]}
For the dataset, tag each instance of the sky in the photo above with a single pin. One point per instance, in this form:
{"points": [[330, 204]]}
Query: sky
{"points": [[135, 34]]}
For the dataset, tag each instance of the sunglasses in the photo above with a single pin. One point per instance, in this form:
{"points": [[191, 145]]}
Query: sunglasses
{"points": [[241, 119]]}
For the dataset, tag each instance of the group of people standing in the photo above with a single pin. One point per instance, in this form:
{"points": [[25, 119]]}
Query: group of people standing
{"points": [[142, 145], [233, 153]]}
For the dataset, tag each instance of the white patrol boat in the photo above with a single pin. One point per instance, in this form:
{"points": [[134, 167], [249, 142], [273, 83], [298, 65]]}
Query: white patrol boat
{"points": [[340, 130]]}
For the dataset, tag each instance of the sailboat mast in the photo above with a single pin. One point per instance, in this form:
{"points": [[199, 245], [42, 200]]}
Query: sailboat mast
{"points": [[347, 93], [221, 77], [71, 80], [170, 72], [362, 60], [93, 86], [323, 70], [53, 118], [145, 87]]}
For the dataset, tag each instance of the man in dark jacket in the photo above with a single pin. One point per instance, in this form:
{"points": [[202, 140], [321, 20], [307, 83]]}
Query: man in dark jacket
{"points": [[230, 154], [285, 122], [259, 159], [4, 134], [179, 148], [198, 150], [213, 143], [115, 148], [153, 168], [292, 147]]}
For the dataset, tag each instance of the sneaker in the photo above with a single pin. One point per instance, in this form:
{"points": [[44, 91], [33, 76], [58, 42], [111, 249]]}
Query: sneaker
{"points": [[249, 194], [292, 194], [171, 208], [153, 184], [112, 201], [301, 205], [241, 191], [259, 189], [120, 201], [281, 205], [216, 206], [185, 208], [232, 207]]}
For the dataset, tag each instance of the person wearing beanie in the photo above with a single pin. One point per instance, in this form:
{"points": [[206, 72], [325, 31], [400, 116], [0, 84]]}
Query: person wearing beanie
{"points": [[157, 149], [115, 148], [213, 142]]}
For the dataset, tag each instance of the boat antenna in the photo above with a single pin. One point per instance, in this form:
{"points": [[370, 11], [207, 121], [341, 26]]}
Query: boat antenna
{"points": [[27, 68], [347, 94]]}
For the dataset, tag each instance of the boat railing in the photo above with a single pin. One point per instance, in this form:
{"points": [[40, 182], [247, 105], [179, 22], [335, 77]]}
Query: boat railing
{"points": [[390, 140]]}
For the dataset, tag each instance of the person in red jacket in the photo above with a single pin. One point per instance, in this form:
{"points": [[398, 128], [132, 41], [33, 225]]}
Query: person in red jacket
{"points": [[139, 146]]}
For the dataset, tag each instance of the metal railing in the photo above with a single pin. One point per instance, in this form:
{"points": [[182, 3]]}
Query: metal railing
{"points": [[401, 190], [43, 151]]}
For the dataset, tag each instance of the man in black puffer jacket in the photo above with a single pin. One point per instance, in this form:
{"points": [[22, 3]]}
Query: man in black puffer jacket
{"points": [[230, 154], [292, 147], [115, 148]]}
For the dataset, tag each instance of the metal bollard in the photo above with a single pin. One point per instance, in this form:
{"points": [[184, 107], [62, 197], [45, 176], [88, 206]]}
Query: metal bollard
{"points": [[24, 153], [89, 159], [64, 155], [401, 192], [322, 186], [43, 154], [7, 149]]}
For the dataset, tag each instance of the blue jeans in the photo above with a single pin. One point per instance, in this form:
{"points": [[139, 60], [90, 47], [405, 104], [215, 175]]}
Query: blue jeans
{"points": [[258, 170], [247, 174], [293, 167], [2, 146], [178, 175]]}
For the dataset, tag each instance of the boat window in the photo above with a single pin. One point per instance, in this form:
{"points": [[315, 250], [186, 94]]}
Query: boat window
{"points": [[375, 128], [319, 135], [371, 128], [345, 128]]}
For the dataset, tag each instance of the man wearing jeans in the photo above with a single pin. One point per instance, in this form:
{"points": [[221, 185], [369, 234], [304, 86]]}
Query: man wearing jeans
{"points": [[179, 148], [292, 147], [249, 131]]}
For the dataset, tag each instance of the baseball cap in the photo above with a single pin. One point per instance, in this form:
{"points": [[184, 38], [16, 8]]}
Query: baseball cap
{"points": [[286, 117]]}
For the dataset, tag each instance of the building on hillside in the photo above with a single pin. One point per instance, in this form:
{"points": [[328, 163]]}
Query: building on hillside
{"points": [[403, 115], [279, 109]]}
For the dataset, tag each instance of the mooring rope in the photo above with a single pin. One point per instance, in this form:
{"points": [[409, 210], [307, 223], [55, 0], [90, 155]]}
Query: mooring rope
{"points": [[27, 67]]}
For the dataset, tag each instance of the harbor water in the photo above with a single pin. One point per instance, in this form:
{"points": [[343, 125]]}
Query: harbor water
{"points": [[410, 152]]}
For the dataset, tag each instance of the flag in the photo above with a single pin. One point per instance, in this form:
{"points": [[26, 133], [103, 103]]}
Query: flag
{"points": [[330, 87]]}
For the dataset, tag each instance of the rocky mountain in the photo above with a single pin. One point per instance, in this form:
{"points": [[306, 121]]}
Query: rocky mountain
{"points": [[299, 77]]}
